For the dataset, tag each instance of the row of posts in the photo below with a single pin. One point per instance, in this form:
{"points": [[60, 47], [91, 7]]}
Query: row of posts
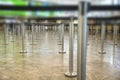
{"points": [[81, 42]]}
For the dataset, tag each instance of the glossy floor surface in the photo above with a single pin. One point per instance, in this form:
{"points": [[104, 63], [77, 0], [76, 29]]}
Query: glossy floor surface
{"points": [[43, 61]]}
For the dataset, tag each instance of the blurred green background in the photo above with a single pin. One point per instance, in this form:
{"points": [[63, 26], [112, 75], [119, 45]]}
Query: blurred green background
{"points": [[28, 13]]}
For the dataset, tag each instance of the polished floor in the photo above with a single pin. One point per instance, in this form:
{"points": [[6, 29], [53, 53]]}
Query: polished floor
{"points": [[43, 61]]}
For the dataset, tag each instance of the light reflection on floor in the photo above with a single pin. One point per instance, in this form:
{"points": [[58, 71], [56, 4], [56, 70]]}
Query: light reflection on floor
{"points": [[43, 61]]}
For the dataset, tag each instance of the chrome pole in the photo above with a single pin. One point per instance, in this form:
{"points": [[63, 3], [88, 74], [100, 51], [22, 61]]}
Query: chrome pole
{"points": [[36, 31], [102, 38], [19, 30], [59, 34], [62, 39], [39, 28], [114, 34], [7, 30], [71, 73], [23, 38], [96, 32], [5, 37], [82, 40], [32, 35], [13, 33]]}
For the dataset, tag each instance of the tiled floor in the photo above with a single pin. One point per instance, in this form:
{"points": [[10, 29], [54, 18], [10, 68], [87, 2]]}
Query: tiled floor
{"points": [[43, 61]]}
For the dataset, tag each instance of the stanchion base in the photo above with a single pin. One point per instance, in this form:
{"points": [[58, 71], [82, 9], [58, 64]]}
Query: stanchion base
{"points": [[41, 39], [12, 41], [62, 52], [114, 44], [59, 43], [68, 74], [23, 52], [5, 44], [32, 44], [102, 52], [37, 41]]}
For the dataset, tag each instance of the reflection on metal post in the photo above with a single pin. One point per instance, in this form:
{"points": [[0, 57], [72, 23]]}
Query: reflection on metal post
{"points": [[23, 38], [5, 40], [62, 39], [82, 40], [102, 38], [71, 73]]}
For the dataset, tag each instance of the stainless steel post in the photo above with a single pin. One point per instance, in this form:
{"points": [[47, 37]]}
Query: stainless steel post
{"points": [[7, 30], [62, 39], [59, 34], [92, 32], [96, 32], [114, 34], [23, 38], [24, 31], [32, 35], [88, 35], [28, 27], [71, 73], [102, 38], [39, 28], [82, 40], [36, 32], [18, 27], [5, 37], [55, 31], [13, 33]]}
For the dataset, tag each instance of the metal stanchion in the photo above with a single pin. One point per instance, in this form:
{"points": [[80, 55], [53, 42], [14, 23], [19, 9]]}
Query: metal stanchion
{"points": [[39, 28], [25, 31], [114, 34], [71, 73], [19, 32], [39, 32], [5, 37], [23, 39], [32, 43], [13, 33], [7, 30], [62, 39], [102, 38], [92, 32], [55, 27], [82, 40], [59, 34], [96, 32], [36, 33], [29, 27], [88, 36], [56, 31]]}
